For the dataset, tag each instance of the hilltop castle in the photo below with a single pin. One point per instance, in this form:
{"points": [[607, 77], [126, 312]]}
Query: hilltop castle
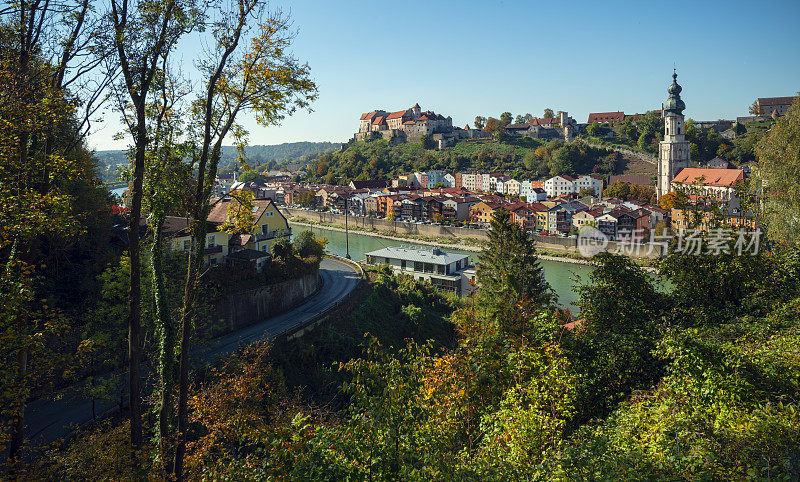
{"points": [[410, 125]]}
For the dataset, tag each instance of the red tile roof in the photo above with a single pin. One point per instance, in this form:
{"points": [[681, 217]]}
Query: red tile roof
{"points": [[711, 177], [762, 101], [378, 121], [538, 207], [606, 117], [396, 115]]}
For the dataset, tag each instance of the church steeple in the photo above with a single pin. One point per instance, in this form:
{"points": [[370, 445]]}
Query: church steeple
{"points": [[674, 103], [673, 152]]}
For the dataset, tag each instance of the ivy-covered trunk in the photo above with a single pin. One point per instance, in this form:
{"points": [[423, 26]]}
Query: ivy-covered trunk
{"points": [[166, 344]]}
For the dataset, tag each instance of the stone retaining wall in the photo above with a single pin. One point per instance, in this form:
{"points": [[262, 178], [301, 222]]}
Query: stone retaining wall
{"points": [[238, 310], [638, 155]]}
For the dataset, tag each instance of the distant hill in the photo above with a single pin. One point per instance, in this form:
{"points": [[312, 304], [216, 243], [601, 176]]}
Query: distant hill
{"points": [[301, 153]]}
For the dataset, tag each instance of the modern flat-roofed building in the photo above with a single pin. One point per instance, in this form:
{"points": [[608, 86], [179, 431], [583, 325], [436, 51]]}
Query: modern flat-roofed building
{"points": [[443, 270]]}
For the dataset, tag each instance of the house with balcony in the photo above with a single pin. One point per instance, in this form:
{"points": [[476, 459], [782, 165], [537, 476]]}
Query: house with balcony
{"points": [[177, 235], [268, 225], [457, 208], [559, 217], [608, 223]]}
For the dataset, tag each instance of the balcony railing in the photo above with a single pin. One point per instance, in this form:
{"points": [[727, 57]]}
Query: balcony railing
{"points": [[274, 234], [213, 249]]}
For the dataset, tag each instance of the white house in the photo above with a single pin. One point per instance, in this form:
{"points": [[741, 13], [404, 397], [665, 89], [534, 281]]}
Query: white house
{"points": [[511, 187], [486, 183], [536, 194], [468, 181], [525, 188], [449, 180], [588, 182], [559, 185]]}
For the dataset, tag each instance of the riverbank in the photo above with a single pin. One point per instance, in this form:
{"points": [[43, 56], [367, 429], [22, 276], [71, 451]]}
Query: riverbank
{"points": [[453, 243]]}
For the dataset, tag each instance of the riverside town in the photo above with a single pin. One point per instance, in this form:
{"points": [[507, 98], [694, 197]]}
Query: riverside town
{"points": [[249, 240]]}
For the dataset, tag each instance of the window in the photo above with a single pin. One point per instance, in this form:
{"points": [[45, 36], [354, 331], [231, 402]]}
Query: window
{"points": [[417, 266], [187, 244], [211, 241], [403, 264]]}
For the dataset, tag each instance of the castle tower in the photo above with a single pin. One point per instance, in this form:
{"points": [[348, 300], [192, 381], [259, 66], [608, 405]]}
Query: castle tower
{"points": [[673, 152], [416, 111]]}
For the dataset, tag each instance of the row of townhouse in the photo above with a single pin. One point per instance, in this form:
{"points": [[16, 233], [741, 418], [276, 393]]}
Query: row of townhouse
{"points": [[612, 217], [490, 182]]}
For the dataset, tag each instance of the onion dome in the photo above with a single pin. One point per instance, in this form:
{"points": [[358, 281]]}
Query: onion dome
{"points": [[674, 103]]}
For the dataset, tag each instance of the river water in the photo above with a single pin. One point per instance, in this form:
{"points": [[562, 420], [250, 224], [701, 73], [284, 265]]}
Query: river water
{"points": [[563, 277]]}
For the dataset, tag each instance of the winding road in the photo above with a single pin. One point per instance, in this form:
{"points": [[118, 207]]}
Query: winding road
{"points": [[48, 420]]}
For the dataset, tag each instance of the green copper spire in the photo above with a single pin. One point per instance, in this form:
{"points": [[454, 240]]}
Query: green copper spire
{"points": [[674, 104]]}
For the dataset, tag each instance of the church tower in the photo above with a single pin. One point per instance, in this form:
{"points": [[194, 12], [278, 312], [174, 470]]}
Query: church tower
{"points": [[673, 152]]}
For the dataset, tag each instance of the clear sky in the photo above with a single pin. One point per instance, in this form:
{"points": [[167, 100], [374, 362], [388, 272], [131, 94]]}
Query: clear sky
{"points": [[468, 58]]}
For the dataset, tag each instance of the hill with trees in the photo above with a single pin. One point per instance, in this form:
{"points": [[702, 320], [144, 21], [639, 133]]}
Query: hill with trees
{"points": [[523, 158], [644, 134]]}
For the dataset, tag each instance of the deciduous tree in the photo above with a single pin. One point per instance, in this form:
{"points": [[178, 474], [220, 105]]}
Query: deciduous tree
{"points": [[241, 74], [143, 34], [779, 171]]}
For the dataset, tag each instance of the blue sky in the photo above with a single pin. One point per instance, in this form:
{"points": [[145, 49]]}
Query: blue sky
{"points": [[472, 58]]}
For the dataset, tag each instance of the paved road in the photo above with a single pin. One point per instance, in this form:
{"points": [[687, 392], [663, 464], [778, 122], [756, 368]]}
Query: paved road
{"points": [[48, 420]]}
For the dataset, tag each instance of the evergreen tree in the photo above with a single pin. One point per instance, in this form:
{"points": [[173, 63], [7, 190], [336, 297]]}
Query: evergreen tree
{"points": [[509, 272]]}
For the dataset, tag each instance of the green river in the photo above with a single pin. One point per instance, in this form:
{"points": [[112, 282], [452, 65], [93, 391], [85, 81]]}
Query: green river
{"points": [[563, 277]]}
